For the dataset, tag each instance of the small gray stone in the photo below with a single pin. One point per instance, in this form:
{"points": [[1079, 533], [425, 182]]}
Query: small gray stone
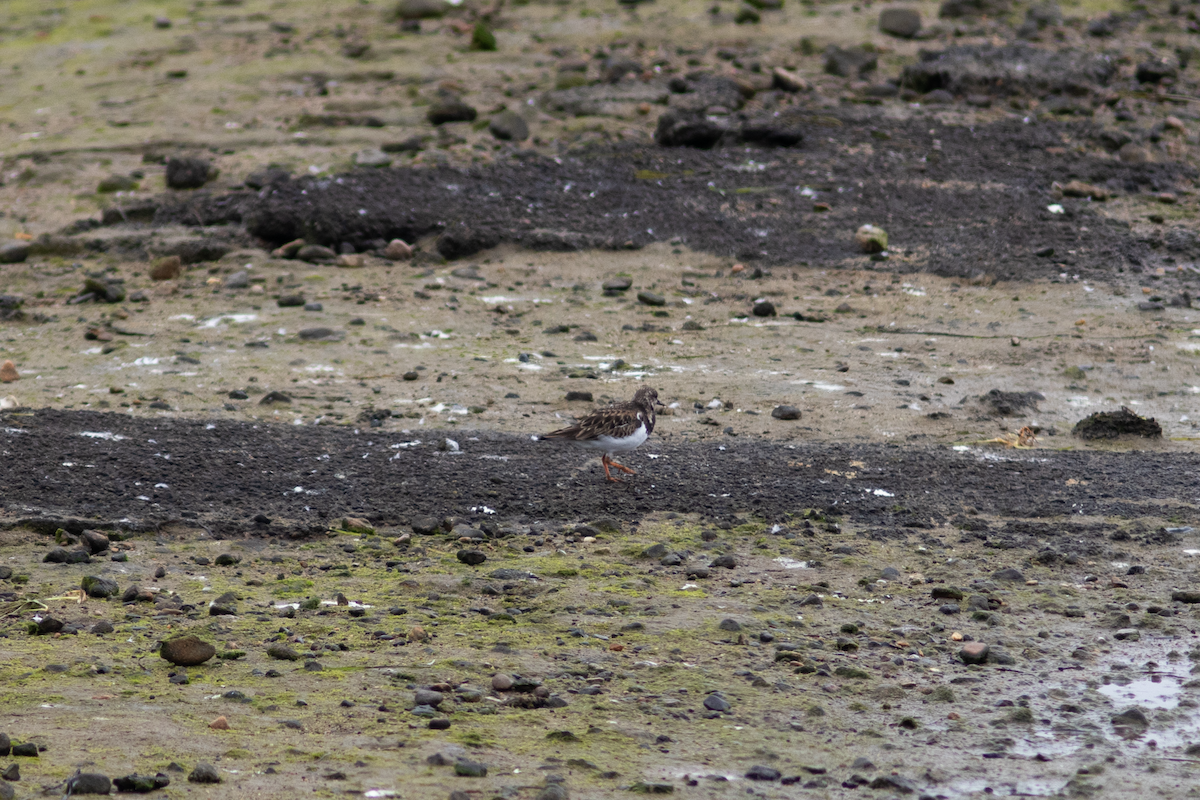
{"points": [[763, 308], [96, 541], [509, 126], [901, 22], [187, 651], [715, 702], [281, 652], [188, 173], [762, 773], [786, 413], [450, 110], [730, 624], [1008, 574], [13, 252], [472, 557], [974, 653], [421, 9], [89, 783], [853, 62], [372, 157], [651, 299], [238, 280], [315, 254], [1131, 718], [99, 587], [204, 773], [428, 697], [470, 769]]}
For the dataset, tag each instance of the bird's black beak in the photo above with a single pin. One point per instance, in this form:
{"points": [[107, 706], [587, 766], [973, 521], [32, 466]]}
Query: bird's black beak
{"points": [[659, 403]]}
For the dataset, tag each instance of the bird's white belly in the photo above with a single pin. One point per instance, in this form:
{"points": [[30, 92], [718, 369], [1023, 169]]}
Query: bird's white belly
{"points": [[612, 444]]}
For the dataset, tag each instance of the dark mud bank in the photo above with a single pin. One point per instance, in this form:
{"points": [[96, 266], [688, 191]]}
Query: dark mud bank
{"points": [[956, 200], [237, 478]]}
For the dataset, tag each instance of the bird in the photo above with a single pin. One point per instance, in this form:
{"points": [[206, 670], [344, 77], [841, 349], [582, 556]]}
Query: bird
{"points": [[618, 428]]}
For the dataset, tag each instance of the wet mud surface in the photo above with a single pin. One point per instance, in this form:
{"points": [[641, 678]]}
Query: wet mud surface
{"points": [[108, 467], [917, 583], [958, 201]]}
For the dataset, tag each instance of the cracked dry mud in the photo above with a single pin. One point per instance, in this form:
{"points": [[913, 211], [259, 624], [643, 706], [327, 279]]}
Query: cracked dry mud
{"points": [[776, 607]]}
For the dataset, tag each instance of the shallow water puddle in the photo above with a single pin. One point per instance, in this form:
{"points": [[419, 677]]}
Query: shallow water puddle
{"points": [[1157, 691], [235, 319]]}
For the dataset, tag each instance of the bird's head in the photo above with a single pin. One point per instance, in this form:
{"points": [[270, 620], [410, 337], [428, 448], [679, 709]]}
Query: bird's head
{"points": [[646, 396]]}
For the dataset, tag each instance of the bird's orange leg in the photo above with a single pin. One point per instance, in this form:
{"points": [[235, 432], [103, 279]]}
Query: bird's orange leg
{"points": [[621, 467], [605, 462]]}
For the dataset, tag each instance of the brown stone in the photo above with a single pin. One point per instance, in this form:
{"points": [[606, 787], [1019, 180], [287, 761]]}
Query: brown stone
{"points": [[219, 724], [288, 250], [502, 682], [350, 260], [8, 372], [1081, 189], [187, 651], [397, 250], [167, 268], [974, 653]]}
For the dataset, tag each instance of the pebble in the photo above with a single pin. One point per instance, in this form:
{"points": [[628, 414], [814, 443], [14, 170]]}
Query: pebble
{"points": [[439, 724], [96, 541], [1131, 718], [89, 783], [428, 697], [615, 285], [761, 773], [502, 682], [8, 372], [166, 268], [204, 773], [715, 702], [900, 22], [316, 254], [372, 157], [509, 126], [98, 587], [219, 724], [786, 412], [788, 81], [13, 252], [238, 280], [450, 110], [187, 651], [974, 653], [25, 750], [472, 558], [763, 308], [12, 772], [188, 173], [871, 239], [141, 784], [728, 561], [397, 250], [651, 299], [470, 769]]}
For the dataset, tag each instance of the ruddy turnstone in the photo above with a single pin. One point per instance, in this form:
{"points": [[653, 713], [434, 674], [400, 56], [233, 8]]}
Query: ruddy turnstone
{"points": [[619, 428]]}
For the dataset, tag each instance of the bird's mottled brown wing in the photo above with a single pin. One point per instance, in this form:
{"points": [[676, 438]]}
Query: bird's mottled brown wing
{"points": [[618, 421]]}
